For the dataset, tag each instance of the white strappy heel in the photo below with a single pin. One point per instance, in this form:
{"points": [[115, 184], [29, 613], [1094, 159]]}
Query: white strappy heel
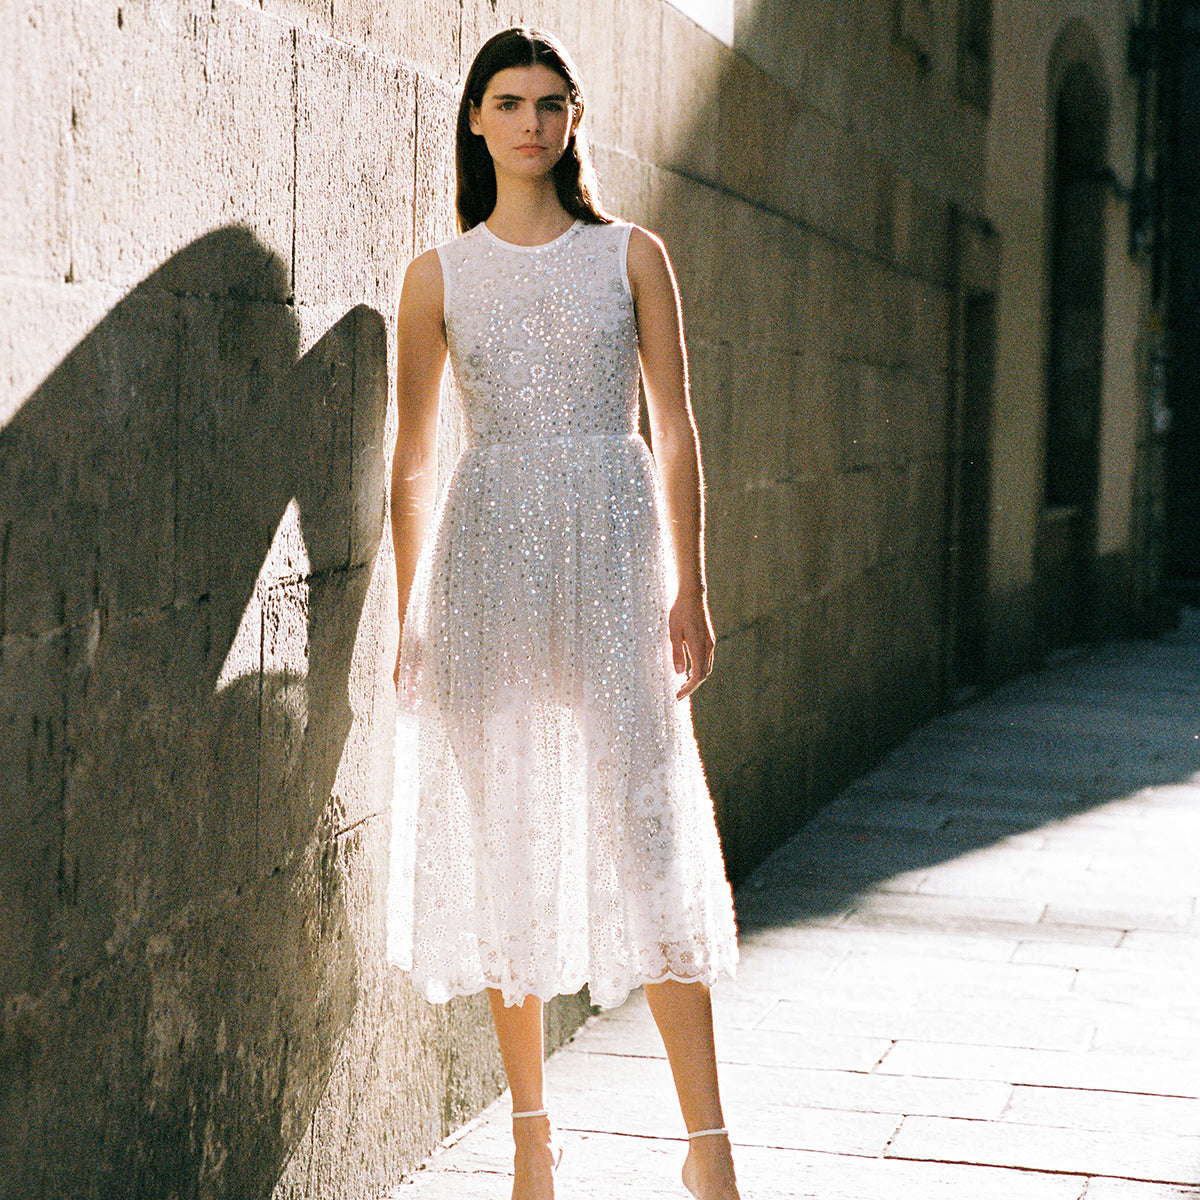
{"points": [[707, 1133], [533, 1112]]}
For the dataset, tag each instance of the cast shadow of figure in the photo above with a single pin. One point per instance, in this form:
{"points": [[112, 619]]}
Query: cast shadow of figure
{"points": [[189, 511]]}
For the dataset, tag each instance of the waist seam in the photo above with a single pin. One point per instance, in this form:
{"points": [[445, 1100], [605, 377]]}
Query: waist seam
{"points": [[554, 437]]}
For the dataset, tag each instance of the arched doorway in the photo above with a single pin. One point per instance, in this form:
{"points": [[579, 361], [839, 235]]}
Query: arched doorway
{"points": [[1067, 536]]}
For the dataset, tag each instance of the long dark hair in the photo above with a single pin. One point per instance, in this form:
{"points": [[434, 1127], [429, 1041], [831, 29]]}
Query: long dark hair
{"points": [[574, 178]]}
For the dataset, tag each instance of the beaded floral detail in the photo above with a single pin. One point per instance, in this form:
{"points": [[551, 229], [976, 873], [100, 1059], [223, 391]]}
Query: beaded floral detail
{"points": [[552, 825]]}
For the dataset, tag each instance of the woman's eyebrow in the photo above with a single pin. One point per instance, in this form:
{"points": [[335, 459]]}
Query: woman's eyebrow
{"points": [[514, 96]]}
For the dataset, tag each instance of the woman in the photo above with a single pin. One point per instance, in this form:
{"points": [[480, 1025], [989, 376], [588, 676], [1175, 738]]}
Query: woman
{"points": [[565, 833]]}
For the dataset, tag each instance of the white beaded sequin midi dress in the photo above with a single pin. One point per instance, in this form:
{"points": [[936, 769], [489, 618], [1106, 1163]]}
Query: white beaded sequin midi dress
{"points": [[552, 826]]}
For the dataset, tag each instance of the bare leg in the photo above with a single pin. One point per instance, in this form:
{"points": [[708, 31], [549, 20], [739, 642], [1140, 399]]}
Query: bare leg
{"points": [[519, 1032], [683, 1014]]}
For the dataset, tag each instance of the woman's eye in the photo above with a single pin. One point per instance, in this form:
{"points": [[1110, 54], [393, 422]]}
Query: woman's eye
{"points": [[507, 105]]}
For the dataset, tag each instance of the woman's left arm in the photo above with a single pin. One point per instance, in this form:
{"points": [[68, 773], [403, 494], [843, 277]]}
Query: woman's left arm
{"points": [[676, 448]]}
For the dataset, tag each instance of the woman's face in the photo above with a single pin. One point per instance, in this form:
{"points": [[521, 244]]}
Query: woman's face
{"points": [[526, 119]]}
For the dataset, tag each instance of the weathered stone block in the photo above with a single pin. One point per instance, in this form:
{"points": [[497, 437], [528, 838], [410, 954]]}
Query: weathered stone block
{"points": [[157, 797], [687, 216], [858, 414], [760, 415], [758, 269], [88, 475], [836, 313], [743, 537], [434, 214], [370, 440], [239, 452], [334, 400], [35, 145], [314, 16], [926, 495], [686, 132], [229, 1057], [40, 322], [810, 537], [184, 122], [826, 76], [33, 756], [856, 529], [930, 255], [627, 186], [309, 630], [885, 307], [424, 33], [354, 179], [897, 403], [713, 400], [726, 702], [931, 324], [749, 148], [814, 434], [594, 47], [770, 34], [894, 492]]}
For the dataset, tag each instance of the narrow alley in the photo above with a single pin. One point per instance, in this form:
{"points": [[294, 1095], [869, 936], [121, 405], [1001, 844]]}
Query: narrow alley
{"points": [[975, 975]]}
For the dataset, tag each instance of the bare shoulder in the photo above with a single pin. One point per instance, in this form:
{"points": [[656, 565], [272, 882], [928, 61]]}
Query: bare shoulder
{"points": [[646, 249], [422, 291], [425, 273], [648, 263]]}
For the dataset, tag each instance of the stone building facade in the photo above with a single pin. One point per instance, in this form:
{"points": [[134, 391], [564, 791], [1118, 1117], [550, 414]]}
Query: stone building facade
{"points": [[207, 207]]}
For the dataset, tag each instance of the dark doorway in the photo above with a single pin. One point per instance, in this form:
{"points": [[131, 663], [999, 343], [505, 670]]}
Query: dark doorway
{"points": [[1067, 537], [1182, 38]]}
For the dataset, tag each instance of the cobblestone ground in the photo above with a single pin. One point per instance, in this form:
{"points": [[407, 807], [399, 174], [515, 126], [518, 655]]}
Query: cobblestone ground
{"points": [[976, 975]]}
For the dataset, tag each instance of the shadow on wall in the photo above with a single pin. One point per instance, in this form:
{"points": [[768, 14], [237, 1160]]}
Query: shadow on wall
{"points": [[183, 567]]}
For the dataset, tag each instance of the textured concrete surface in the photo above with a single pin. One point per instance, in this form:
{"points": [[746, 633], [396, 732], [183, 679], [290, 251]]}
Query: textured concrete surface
{"points": [[977, 973]]}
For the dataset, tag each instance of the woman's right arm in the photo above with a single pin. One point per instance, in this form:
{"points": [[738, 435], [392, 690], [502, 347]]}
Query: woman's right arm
{"points": [[420, 360]]}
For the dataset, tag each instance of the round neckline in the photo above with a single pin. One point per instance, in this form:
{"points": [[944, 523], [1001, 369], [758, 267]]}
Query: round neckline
{"points": [[566, 233]]}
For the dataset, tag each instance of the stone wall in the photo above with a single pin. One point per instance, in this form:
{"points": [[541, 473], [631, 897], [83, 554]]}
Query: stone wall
{"points": [[206, 211]]}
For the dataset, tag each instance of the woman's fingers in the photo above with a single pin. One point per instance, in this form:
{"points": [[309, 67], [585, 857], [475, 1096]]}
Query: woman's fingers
{"points": [[693, 654], [679, 650], [691, 641]]}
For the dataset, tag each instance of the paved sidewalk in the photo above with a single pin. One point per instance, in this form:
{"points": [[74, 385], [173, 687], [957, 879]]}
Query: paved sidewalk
{"points": [[976, 976]]}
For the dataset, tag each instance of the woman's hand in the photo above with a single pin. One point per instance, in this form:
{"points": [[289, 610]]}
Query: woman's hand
{"points": [[692, 640]]}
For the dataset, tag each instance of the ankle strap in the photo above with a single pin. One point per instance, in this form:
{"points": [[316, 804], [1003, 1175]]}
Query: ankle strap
{"points": [[533, 1112], [708, 1133]]}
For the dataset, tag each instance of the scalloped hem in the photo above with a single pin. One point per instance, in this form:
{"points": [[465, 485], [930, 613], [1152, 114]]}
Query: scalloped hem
{"points": [[437, 993]]}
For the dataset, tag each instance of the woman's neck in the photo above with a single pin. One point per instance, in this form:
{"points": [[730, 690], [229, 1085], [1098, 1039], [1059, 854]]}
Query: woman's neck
{"points": [[527, 211]]}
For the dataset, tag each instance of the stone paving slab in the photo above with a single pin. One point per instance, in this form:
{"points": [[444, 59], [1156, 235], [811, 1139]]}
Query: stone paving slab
{"points": [[974, 976], [1162, 1158]]}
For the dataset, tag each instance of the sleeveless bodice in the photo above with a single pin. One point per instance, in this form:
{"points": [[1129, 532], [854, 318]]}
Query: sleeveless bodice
{"points": [[542, 339]]}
